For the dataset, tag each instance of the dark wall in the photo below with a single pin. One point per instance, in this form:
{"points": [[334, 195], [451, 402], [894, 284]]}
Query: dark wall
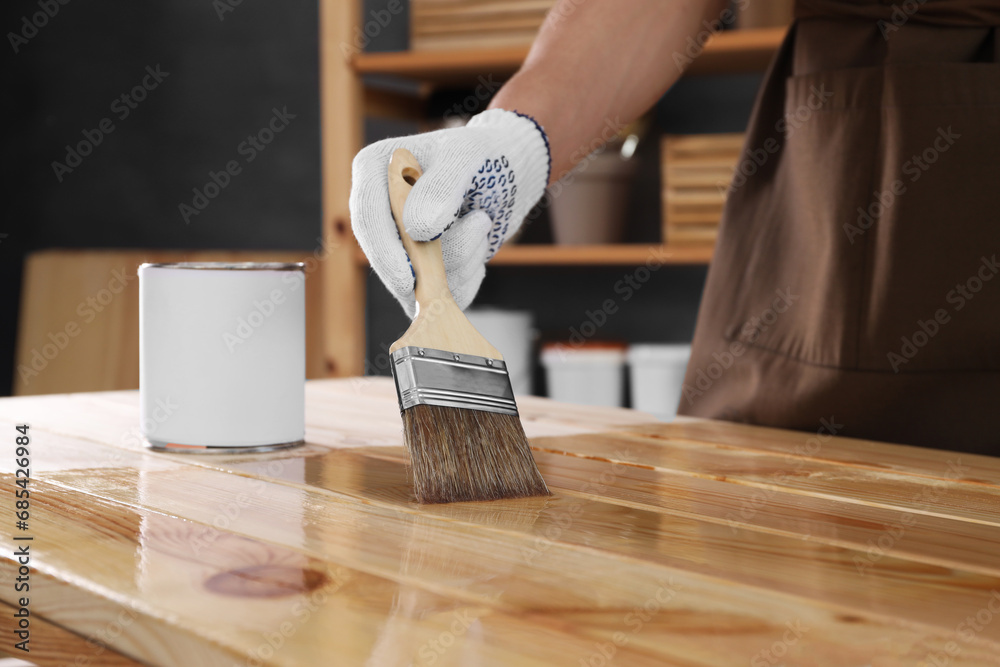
{"points": [[222, 78]]}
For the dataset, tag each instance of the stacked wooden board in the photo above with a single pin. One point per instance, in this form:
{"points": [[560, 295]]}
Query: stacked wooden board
{"points": [[462, 24], [697, 170]]}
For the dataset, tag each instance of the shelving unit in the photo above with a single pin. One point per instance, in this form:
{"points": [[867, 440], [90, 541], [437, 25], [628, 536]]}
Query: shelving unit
{"points": [[345, 101], [620, 254], [727, 52]]}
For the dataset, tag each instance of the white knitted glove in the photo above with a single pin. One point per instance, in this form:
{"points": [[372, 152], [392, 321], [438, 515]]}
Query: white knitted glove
{"points": [[478, 184]]}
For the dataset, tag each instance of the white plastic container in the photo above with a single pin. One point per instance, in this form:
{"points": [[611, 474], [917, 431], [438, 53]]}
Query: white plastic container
{"points": [[591, 374], [222, 356], [512, 332], [656, 378]]}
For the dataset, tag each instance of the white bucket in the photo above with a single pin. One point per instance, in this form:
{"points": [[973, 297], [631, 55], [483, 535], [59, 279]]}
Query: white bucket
{"points": [[586, 375], [511, 332], [657, 377]]}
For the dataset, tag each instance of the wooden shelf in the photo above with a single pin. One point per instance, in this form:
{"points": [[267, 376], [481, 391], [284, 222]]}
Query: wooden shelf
{"points": [[732, 51], [619, 254]]}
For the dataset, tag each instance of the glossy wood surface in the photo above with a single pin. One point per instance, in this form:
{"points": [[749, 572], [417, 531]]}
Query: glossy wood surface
{"points": [[692, 543]]}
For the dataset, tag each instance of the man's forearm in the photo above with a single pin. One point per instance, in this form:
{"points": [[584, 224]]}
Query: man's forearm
{"points": [[596, 65]]}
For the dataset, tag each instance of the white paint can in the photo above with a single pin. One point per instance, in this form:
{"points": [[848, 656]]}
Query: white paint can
{"points": [[657, 377], [587, 374], [222, 356], [512, 333]]}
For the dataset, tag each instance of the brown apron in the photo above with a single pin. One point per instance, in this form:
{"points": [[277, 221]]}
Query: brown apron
{"points": [[855, 285]]}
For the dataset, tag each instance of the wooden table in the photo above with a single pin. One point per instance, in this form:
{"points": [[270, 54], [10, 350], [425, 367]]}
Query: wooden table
{"points": [[693, 543]]}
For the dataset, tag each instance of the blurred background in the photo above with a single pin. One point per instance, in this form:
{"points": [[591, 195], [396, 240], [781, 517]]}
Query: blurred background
{"points": [[121, 116]]}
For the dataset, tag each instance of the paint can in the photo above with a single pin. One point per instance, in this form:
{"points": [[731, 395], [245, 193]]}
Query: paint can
{"points": [[222, 356]]}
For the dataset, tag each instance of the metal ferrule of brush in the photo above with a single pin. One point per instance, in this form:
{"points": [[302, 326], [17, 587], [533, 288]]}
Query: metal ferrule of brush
{"points": [[425, 376]]}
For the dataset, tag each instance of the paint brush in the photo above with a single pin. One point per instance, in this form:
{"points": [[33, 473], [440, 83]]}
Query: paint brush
{"points": [[460, 420]]}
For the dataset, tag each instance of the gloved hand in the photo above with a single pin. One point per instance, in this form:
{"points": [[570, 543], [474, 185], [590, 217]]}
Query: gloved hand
{"points": [[478, 184]]}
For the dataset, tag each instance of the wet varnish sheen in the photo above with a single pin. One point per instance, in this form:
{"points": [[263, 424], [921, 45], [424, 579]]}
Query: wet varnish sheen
{"points": [[694, 543]]}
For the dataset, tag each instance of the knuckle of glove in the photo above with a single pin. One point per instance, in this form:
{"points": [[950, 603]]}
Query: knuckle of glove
{"points": [[433, 206], [395, 275]]}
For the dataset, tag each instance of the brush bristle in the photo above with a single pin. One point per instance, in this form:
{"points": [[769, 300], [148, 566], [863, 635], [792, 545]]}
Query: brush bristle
{"points": [[458, 454]]}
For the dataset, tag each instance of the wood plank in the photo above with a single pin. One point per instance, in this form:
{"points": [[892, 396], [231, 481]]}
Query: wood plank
{"points": [[875, 532], [440, 561], [698, 145], [849, 451], [361, 412], [53, 646], [344, 501], [441, 66], [944, 496], [607, 255], [499, 22], [464, 42], [341, 109], [756, 558], [709, 176], [709, 198], [363, 408], [742, 557], [351, 428], [349, 412], [691, 234], [731, 51], [268, 594], [620, 254], [435, 10], [387, 622], [872, 531]]}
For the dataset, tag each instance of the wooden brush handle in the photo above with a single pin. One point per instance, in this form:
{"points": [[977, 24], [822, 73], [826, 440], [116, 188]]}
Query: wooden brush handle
{"points": [[440, 324], [428, 264]]}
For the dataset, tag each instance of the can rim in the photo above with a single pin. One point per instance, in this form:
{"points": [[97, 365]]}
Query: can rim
{"points": [[227, 266], [163, 446]]}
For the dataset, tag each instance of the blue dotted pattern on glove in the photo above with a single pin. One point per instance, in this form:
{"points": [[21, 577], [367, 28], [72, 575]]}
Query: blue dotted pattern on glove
{"points": [[494, 191]]}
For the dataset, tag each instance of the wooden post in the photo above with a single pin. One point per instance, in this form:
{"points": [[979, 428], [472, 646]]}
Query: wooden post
{"points": [[341, 103]]}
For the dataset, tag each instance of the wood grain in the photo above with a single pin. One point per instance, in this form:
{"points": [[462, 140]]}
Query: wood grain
{"points": [[848, 451], [939, 495], [342, 119], [59, 646], [663, 544], [423, 555]]}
